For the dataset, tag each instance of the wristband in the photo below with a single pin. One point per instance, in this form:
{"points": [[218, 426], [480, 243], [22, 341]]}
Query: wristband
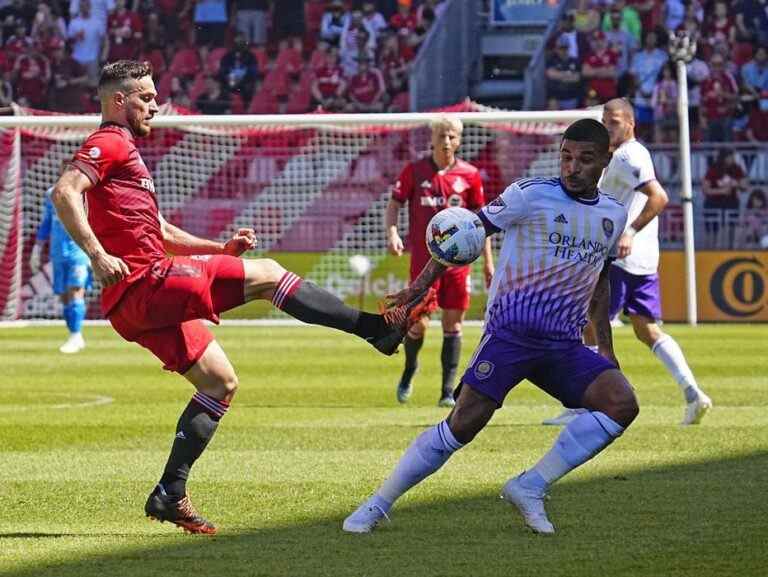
{"points": [[631, 231]]}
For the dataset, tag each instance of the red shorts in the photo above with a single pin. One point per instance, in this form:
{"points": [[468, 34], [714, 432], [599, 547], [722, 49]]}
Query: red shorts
{"points": [[162, 310], [452, 290]]}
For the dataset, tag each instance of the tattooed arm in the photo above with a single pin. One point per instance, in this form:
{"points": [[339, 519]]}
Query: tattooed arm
{"points": [[598, 314]]}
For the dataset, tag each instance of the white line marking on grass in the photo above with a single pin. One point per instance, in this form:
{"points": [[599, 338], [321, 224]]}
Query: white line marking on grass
{"points": [[89, 401]]}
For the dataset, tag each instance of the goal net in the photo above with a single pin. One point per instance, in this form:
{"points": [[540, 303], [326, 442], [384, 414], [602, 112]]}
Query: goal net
{"points": [[313, 187]]}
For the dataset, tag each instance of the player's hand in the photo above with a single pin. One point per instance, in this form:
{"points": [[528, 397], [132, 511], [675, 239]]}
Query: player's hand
{"points": [[395, 245], [244, 239], [109, 269], [625, 245], [34, 258], [488, 270]]}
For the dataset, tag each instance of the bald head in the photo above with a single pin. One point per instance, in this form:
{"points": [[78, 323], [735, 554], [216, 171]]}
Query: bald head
{"points": [[619, 119]]}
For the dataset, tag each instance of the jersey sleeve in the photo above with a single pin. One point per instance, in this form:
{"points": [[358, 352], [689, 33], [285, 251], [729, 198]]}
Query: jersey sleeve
{"points": [[44, 230], [100, 154], [403, 189], [509, 208], [640, 167], [613, 251], [476, 198]]}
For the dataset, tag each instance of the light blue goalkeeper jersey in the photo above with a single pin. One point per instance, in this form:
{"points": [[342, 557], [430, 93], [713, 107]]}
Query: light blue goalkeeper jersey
{"points": [[62, 247]]}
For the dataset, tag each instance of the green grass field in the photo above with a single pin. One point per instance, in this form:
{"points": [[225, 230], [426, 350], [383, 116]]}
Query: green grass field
{"points": [[315, 427]]}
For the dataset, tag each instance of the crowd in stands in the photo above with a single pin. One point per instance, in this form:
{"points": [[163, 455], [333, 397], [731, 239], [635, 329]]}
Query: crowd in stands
{"points": [[609, 48], [216, 56]]}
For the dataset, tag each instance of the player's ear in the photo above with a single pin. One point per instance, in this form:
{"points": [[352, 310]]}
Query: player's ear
{"points": [[607, 156]]}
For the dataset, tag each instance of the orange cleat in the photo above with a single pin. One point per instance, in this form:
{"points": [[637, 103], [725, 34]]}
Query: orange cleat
{"points": [[163, 507]]}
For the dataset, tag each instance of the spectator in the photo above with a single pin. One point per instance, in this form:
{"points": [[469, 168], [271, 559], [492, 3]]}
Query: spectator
{"points": [[753, 229], [630, 20], [14, 14], [100, 10], [124, 33], [48, 23], [87, 35], [6, 88], [333, 23], [697, 72], [251, 20], [366, 89], [393, 66], [585, 18], [599, 69], [373, 20], [239, 71], [290, 57], [645, 68], [623, 43], [719, 99], [19, 42], [664, 103], [31, 75], [213, 100], [566, 30], [755, 74], [752, 20], [68, 79], [419, 35], [722, 186], [674, 14], [720, 26], [288, 18], [211, 19], [155, 34], [436, 6], [356, 43], [563, 78], [329, 86], [404, 21]]}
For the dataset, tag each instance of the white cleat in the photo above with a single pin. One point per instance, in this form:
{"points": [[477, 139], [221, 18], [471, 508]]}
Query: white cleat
{"points": [[616, 323], [530, 503], [564, 418], [365, 518], [74, 344], [446, 401], [695, 410]]}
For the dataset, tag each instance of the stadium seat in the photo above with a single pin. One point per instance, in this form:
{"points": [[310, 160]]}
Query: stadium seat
{"points": [[263, 102], [156, 59], [186, 62], [262, 59], [198, 86], [213, 62]]}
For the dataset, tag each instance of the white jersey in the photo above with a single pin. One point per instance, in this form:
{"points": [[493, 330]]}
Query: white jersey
{"points": [[630, 168], [554, 249]]}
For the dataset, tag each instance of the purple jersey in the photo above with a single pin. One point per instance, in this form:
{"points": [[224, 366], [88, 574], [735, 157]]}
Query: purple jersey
{"points": [[554, 248]]}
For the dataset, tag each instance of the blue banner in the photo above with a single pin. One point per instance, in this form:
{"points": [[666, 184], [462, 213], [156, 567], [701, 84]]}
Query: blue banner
{"points": [[512, 11]]}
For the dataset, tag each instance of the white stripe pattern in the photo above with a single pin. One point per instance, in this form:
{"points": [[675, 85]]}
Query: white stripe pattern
{"points": [[286, 286]]}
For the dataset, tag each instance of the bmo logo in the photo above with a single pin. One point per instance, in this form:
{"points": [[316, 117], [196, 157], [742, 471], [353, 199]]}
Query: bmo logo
{"points": [[738, 287], [148, 184]]}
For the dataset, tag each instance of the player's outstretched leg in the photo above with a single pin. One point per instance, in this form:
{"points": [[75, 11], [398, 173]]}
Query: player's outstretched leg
{"points": [[216, 383], [611, 408], [666, 349], [426, 455], [307, 302]]}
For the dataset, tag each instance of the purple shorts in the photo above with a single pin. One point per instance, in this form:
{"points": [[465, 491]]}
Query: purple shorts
{"points": [[564, 372], [635, 294]]}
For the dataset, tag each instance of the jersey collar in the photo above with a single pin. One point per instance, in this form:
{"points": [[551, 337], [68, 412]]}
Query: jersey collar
{"points": [[109, 123]]}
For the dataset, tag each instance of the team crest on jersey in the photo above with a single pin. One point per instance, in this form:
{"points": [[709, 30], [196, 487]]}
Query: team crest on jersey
{"points": [[460, 185], [496, 206], [426, 184], [94, 152], [483, 370], [454, 200], [608, 227]]}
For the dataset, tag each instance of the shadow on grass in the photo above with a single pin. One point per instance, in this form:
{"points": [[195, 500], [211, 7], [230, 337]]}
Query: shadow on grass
{"points": [[700, 520]]}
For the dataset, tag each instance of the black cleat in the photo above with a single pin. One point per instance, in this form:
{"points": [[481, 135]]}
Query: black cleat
{"points": [[397, 321], [163, 507]]}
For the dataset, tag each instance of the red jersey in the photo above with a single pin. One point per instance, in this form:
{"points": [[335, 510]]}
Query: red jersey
{"points": [[121, 48], [428, 190], [122, 207], [606, 88], [718, 94], [329, 79], [365, 87]]}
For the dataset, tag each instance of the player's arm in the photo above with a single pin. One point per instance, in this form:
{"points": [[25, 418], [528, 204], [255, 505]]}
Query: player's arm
{"points": [[655, 203], [67, 198], [598, 314], [179, 242]]}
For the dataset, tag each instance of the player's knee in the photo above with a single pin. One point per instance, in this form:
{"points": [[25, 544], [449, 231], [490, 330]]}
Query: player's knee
{"points": [[623, 406], [262, 277], [230, 384]]}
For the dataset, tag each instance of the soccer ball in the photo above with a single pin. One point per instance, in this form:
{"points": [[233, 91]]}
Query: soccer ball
{"points": [[455, 236]]}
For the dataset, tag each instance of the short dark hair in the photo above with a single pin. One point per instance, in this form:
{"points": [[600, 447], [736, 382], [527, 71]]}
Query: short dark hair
{"points": [[589, 130], [122, 70]]}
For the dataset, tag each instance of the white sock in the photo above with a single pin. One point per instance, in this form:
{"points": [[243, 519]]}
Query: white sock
{"points": [[580, 440], [669, 353], [423, 457]]}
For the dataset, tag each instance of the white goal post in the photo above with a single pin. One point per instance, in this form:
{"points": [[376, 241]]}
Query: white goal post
{"points": [[313, 186]]}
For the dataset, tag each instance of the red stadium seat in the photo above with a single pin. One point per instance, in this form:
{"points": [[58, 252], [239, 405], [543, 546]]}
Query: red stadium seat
{"points": [[156, 59], [186, 62], [236, 104], [213, 61], [299, 102], [263, 102], [198, 86], [260, 54]]}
